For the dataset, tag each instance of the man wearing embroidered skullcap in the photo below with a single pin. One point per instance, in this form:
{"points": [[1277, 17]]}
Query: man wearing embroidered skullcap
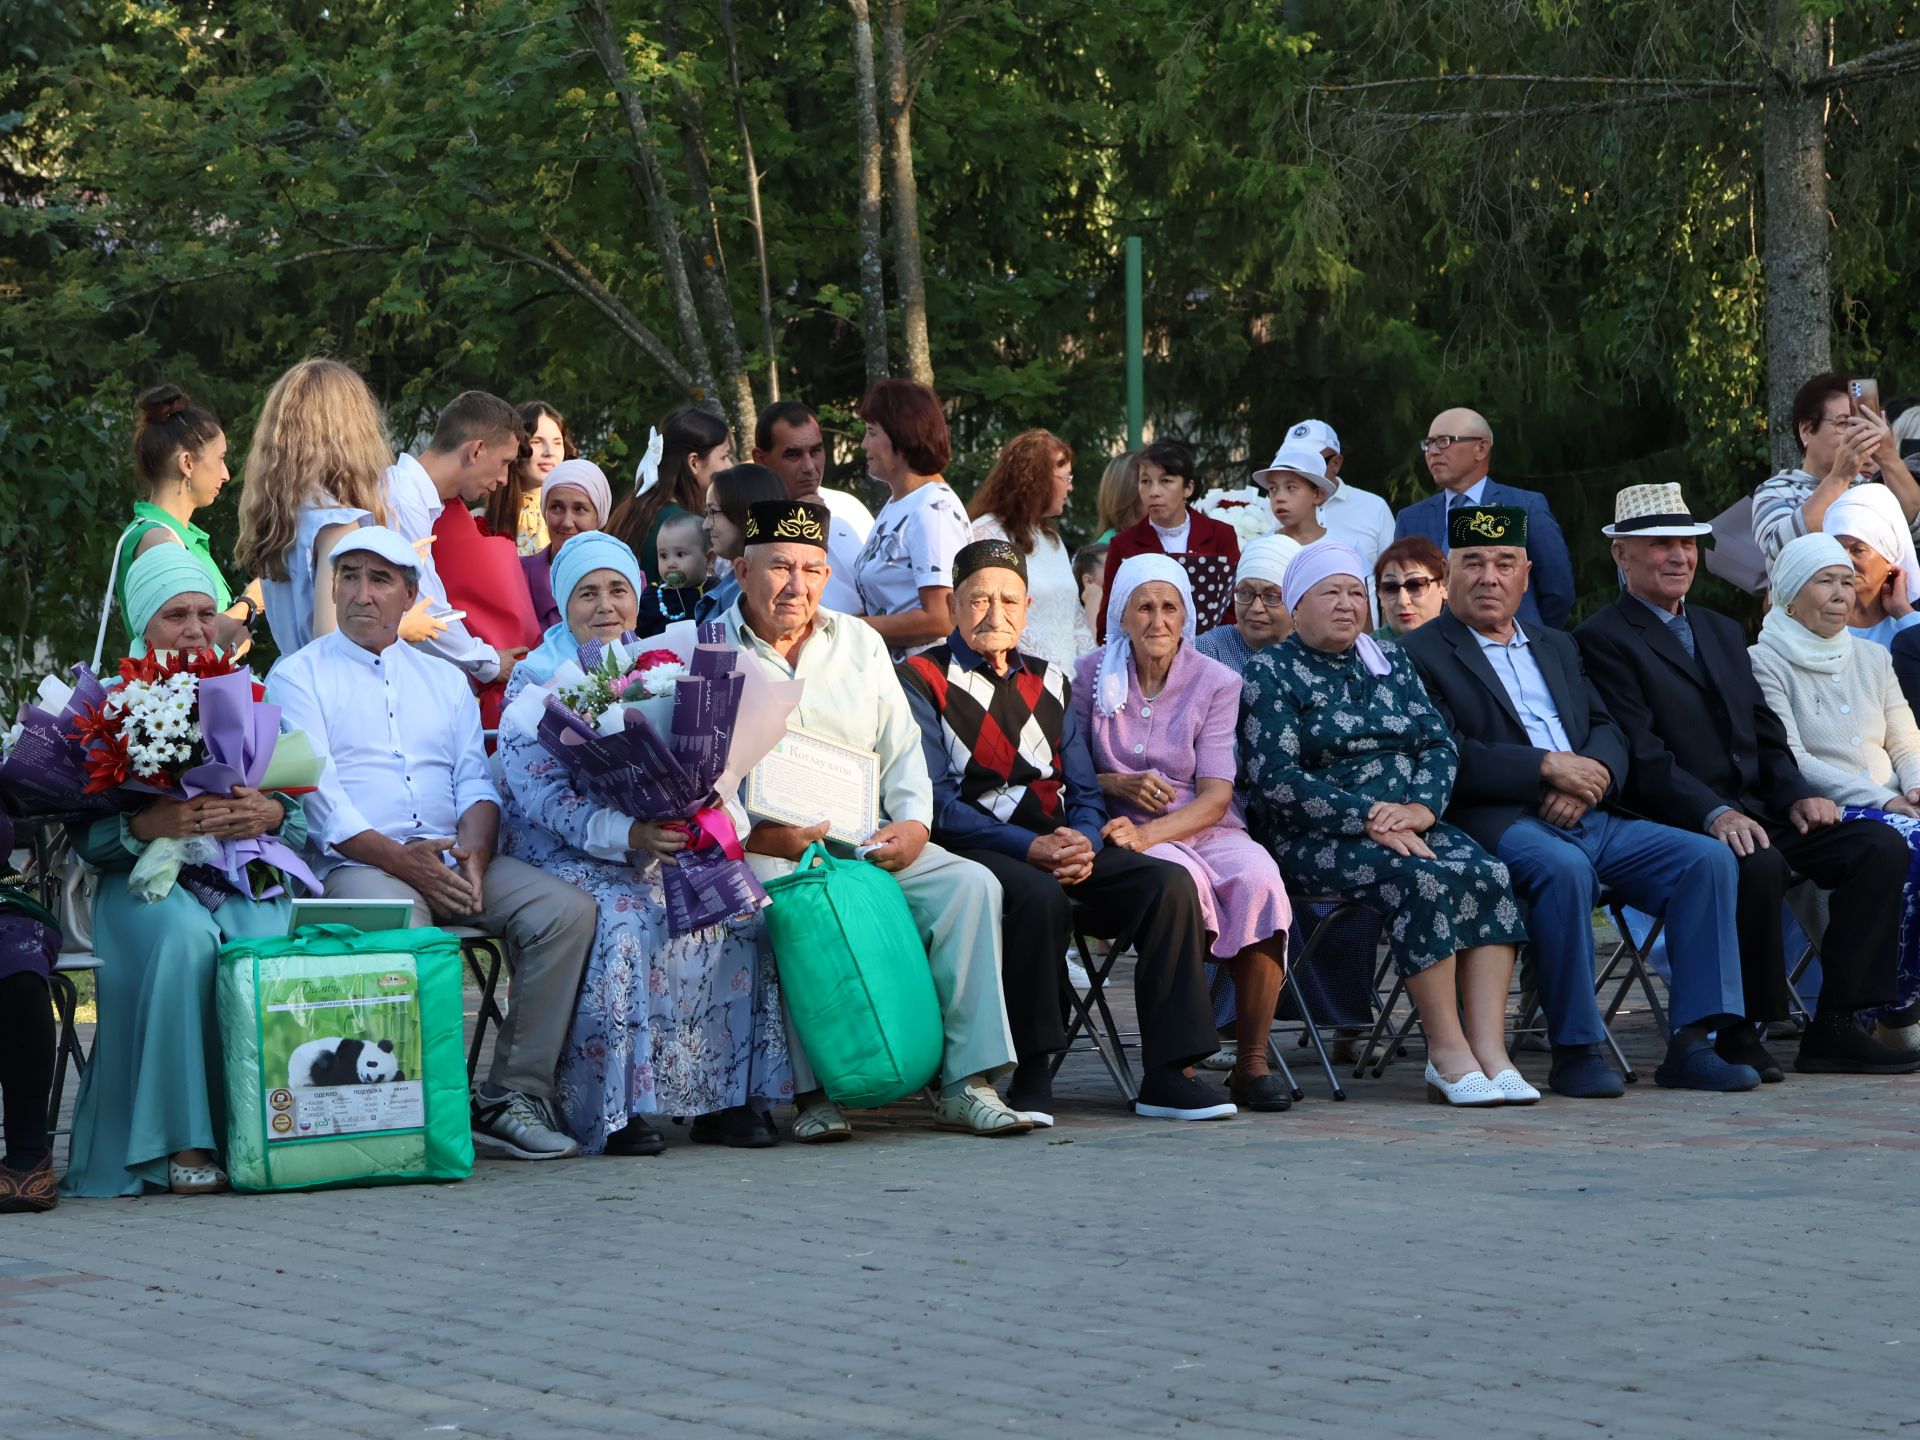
{"points": [[1710, 756], [1542, 765], [407, 810], [851, 696], [1014, 789], [1459, 451]]}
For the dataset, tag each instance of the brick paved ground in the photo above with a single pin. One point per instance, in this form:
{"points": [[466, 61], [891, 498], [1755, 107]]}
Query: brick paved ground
{"points": [[1664, 1265]]}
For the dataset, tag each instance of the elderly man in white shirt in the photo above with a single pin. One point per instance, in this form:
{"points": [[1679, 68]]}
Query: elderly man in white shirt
{"points": [[406, 810], [475, 442], [852, 695]]}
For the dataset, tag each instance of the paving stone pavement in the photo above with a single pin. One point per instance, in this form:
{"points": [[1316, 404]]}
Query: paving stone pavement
{"points": [[1662, 1265]]}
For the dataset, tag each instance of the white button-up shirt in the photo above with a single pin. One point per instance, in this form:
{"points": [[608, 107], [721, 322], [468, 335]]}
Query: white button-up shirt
{"points": [[852, 695], [401, 733], [413, 504]]}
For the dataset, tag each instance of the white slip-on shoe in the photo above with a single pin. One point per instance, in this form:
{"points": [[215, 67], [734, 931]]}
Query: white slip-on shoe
{"points": [[1513, 1089], [1471, 1089]]}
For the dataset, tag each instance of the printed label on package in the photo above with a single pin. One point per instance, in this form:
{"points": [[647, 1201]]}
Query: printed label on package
{"points": [[340, 1054]]}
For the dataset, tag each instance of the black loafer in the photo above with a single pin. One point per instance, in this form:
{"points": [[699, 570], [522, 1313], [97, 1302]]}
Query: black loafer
{"points": [[1259, 1092], [636, 1137], [1740, 1045], [738, 1126]]}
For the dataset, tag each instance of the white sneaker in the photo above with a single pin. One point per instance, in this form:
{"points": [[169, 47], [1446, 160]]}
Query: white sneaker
{"points": [[1077, 975]]}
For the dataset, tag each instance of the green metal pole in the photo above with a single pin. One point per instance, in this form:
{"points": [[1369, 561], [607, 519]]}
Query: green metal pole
{"points": [[1136, 347]]}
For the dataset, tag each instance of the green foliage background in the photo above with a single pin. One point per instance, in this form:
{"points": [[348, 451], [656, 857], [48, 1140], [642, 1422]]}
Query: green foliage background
{"points": [[205, 192]]}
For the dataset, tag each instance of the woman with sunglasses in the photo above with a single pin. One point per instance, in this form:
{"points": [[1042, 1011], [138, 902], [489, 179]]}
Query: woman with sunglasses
{"points": [[1410, 583]]}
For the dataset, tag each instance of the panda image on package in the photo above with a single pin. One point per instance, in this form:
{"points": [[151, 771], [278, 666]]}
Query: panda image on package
{"points": [[336, 1061]]}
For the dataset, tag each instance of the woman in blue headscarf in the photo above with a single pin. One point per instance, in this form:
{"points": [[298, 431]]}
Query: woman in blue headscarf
{"points": [[687, 1026], [150, 1113]]}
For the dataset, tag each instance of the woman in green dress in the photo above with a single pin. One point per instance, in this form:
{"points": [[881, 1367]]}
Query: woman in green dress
{"points": [[1349, 766], [180, 466], [150, 1113]]}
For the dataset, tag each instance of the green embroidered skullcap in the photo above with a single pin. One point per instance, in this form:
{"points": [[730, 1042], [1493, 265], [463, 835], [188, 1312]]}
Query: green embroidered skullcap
{"points": [[1472, 525]]}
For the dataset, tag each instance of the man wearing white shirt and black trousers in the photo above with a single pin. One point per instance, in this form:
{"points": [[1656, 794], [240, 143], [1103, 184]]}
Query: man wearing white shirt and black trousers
{"points": [[406, 810]]}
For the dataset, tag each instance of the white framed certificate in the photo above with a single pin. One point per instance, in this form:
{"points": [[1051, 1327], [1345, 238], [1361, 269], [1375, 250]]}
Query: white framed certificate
{"points": [[807, 778]]}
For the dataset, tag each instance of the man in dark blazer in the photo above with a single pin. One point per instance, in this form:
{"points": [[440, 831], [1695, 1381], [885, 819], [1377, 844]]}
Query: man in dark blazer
{"points": [[1709, 757], [1540, 760], [1459, 450]]}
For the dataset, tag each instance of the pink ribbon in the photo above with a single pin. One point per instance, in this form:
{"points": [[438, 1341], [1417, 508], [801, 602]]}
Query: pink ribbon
{"points": [[713, 826]]}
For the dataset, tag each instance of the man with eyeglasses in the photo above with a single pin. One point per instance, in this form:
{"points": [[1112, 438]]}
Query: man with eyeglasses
{"points": [[1841, 450], [1459, 453]]}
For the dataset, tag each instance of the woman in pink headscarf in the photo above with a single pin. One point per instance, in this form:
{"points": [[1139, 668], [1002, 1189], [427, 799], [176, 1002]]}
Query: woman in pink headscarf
{"points": [[1349, 767], [1159, 717]]}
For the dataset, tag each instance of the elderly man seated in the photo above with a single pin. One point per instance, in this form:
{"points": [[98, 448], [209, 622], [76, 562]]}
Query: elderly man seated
{"points": [[851, 696], [1014, 789], [1541, 767], [1709, 755], [407, 811]]}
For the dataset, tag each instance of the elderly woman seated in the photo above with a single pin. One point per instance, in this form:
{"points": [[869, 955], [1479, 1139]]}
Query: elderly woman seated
{"points": [[1031, 813], [663, 1026], [1258, 603], [1159, 717], [151, 1114], [1349, 767], [1872, 528], [1850, 727]]}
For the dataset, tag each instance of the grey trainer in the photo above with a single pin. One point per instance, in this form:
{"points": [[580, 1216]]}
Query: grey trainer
{"points": [[514, 1126]]}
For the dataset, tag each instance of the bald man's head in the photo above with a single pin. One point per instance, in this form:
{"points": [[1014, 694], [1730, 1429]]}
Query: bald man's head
{"points": [[1459, 448]]}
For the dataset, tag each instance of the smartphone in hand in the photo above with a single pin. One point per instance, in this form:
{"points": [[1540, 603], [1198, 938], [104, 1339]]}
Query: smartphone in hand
{"points": [[1863, 395]]}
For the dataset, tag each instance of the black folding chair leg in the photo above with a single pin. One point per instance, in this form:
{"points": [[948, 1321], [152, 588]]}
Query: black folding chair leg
{"points": [[66, 1008], [489, 1012]]}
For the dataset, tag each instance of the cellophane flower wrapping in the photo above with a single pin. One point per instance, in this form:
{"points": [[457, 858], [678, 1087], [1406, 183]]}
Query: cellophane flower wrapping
{"points": [[182, 725], [44, 771], [1246, 510], [681, 772]]}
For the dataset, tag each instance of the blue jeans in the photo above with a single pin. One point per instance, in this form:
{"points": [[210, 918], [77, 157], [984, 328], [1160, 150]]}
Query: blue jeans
{"points": [[1692, 880]]}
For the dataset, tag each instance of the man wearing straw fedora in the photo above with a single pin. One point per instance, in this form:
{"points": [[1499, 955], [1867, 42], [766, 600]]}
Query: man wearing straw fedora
{"points": [[1708, 755], [1542, 766]]}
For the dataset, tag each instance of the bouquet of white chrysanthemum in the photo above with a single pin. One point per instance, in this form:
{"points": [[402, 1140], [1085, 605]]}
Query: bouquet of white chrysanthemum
{"points": [[1245, 509], [159, 723]]}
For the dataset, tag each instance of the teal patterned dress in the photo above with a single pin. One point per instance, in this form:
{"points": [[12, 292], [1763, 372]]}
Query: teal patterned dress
{"points": [[1321, 740]]}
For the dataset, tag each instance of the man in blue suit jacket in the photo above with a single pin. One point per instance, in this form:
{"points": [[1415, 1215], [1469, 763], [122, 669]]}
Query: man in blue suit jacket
{"points": [[1459, 450]]}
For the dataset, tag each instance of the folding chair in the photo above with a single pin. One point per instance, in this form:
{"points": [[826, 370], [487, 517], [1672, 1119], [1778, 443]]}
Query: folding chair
{"points": [[1222, 977], [487, 977], [1090, 1013], [1626, 952], [1338, 909], [67, 1046]]}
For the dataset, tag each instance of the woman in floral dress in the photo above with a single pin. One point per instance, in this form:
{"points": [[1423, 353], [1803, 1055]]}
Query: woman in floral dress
{"points": [[687, 1026], [1349, 766]]}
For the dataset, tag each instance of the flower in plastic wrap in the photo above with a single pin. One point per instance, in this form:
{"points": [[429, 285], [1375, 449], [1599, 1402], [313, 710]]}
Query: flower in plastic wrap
{"points": [[1245, 509]]}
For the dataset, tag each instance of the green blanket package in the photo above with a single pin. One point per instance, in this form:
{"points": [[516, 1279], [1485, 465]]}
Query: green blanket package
{"points": [[855, 978], [345, 1059]]}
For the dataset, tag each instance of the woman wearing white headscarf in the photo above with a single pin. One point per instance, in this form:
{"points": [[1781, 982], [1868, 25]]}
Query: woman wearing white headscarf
{"points": [[1349, 766], [1869, 523], [1851, 729], [1259, 604], [1159, 718]]}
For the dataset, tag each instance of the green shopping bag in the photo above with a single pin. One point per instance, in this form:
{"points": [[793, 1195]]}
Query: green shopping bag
{"points": [[345, 1059], [855, 978]]}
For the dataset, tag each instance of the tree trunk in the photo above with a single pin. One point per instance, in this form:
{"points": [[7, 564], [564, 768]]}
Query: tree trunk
{"points": [[1798, 249], [709, 259], [906, 201], [873, 288], [652, 184], [753, 199]]}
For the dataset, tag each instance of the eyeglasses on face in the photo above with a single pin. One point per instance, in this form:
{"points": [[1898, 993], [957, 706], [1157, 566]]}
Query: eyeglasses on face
{"points": [[1248, 596], [1415, 587], [1434, 444]]}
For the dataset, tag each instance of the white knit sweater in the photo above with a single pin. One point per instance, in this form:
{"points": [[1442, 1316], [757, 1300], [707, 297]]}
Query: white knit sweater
{"points": [[1852, 732]]}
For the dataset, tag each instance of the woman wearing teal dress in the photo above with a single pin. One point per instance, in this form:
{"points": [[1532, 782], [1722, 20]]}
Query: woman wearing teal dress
{"points": [[1349, 766], [180, 465], [150, 1114]]}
